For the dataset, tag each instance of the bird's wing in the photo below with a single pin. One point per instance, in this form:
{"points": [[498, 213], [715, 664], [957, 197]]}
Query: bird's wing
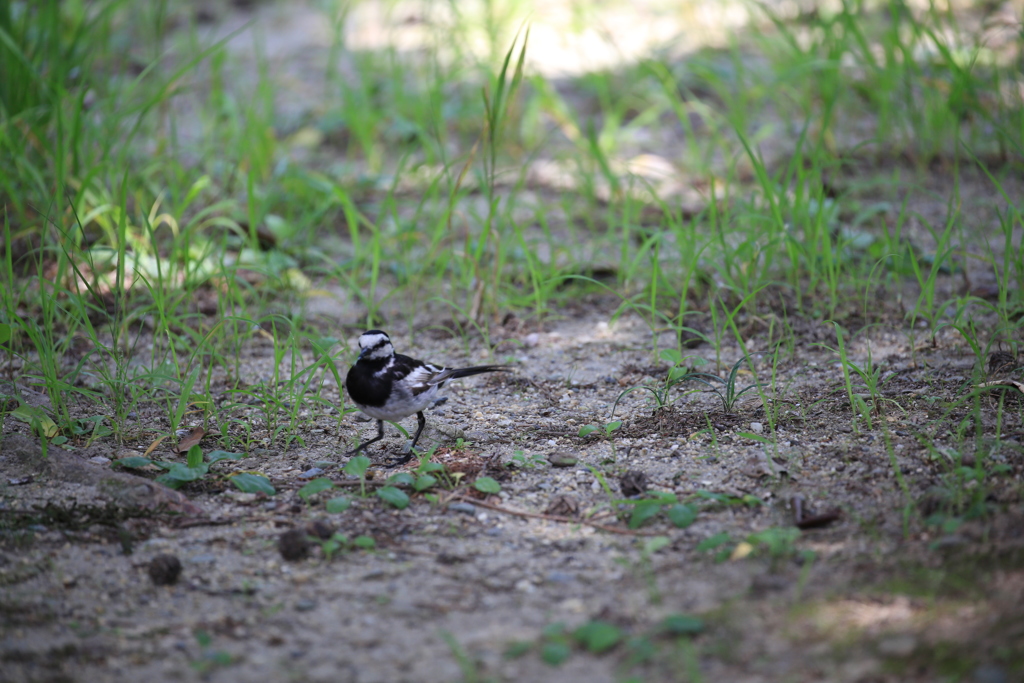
{"points": [[422, 377]]}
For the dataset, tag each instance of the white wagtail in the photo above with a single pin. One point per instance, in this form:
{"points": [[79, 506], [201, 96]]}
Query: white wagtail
{"points": [[389, 386]]}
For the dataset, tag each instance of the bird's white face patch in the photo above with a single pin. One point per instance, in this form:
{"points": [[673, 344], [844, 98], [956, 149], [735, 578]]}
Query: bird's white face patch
{"points": [[375, 345]]}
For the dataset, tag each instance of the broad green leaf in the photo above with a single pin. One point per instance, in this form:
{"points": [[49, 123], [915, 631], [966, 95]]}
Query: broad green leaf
{"points": [[216, 456], [36, 418], [339, 504], [587, 429], [487, 485], [314, 487], [642, 512], [396, 497], [424, 482], [682, 515], [554, 653], [364, 542], [402, 478], [357, 466], [252, 483], [180, 474], [612, 426], [682, 624], [598, 636], [134, 462], [5, 333], [713, 542], [430, 467], [672, 356], [663, 497]]}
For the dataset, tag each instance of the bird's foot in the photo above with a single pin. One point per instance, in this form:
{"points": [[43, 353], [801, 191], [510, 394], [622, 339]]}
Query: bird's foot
{"points": [[399, 461]]}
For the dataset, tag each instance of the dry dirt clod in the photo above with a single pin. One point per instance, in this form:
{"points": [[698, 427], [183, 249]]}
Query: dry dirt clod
{"points": [[320, 529], [821, 520], [293, 545], [165, 569], [564, 505], [562, 459], [633, 483]]}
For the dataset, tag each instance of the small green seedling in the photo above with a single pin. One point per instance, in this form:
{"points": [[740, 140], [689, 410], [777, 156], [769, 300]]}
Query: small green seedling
{"points": [[727, 392], [587, 430], [340, 542], [195, 468], [526, 462], [356, 467]]}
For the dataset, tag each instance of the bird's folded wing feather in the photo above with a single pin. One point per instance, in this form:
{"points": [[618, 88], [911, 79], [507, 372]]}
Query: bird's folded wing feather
{"points": [[425, 376]]}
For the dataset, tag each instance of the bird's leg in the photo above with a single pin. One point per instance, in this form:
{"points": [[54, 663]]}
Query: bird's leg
{"points": [[419, 430], [380, 435], [408, 456]]}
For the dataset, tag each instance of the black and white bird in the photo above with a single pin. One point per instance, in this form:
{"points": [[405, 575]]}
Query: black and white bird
{"points": [[389, 386]]}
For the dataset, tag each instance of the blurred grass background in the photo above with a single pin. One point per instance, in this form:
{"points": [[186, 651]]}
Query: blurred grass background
{"points": [[181, 180]]}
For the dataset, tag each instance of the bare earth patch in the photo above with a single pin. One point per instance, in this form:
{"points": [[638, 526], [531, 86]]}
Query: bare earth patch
{"points": [[872, 595]]}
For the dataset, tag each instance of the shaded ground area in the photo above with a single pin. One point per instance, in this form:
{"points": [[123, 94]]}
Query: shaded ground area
{"points": [[451, 585], [820, 514]]}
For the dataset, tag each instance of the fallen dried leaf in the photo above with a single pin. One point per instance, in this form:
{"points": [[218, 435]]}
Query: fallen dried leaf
{"points": [[1001, 382], [191, 439]]}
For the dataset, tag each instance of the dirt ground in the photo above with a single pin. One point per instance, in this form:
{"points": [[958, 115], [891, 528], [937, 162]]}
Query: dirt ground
{"points": [[452, 584], [472, 587]]}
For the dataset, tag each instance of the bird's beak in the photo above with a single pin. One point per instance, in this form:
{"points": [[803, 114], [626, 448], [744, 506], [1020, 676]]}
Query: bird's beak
{"points": [[363, 353]]}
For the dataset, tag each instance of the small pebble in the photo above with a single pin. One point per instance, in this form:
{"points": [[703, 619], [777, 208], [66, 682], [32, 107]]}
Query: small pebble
{"points": [[756, 427], [311, 473], [990, 673], [165, 569], [464, 508], [560, 577], [562, 459]]}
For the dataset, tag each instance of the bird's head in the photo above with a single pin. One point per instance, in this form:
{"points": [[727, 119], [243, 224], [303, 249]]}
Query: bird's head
{"points": [[375, 345]]}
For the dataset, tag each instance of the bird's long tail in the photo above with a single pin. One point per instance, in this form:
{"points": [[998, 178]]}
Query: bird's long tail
{"points": [[455, 373]]}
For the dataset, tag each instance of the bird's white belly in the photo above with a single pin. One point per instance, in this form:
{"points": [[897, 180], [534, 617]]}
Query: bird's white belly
{"points": [[403, 406]]}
